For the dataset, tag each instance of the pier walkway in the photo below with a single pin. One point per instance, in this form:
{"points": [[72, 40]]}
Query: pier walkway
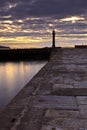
{"points": [[55, 99]]}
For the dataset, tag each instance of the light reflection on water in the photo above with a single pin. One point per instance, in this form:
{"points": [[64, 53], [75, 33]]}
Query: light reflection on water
{"points": [[13, 77]]}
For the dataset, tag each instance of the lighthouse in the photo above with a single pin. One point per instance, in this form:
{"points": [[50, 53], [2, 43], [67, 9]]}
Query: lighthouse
{"points": [[53, 39]]}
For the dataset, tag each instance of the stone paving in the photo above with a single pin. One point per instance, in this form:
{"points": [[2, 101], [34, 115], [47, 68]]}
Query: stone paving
{"points": [[55, 99]]}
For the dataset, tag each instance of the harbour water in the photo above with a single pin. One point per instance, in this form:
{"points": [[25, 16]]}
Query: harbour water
{"points": [[13, 77]]}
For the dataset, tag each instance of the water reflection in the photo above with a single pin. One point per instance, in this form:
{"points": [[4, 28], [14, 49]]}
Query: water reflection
{"points": [[13, 76]]}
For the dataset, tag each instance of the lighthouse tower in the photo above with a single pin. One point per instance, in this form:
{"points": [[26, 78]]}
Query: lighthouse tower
{"points": [[53, 39]]}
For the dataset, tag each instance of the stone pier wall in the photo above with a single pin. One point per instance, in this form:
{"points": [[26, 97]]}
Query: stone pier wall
{"points": [[55, 99]]}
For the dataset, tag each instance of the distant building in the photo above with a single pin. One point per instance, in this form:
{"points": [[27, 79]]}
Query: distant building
{"points": [[80, 46], [4, 48]]}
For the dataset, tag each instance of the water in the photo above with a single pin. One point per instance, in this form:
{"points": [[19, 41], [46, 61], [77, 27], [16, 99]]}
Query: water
{"points": [[13, 77]]}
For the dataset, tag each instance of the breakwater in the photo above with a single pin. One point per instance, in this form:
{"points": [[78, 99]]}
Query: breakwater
{"points": [[25, 54], [55, 99]]}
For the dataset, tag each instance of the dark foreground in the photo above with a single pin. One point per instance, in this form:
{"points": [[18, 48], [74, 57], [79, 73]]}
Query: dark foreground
{"points": [[25, 54], [55, 99]]}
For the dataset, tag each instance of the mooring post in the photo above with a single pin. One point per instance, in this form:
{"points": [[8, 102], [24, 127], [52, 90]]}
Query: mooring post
{"points": [[53, 39]]}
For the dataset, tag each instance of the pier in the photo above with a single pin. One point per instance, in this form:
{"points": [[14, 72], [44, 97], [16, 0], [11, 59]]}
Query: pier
{"points": [[56, 97]]}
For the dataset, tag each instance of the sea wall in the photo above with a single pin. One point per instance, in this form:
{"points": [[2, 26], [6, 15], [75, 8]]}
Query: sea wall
{"points": [[56, 97], [25, 54]]}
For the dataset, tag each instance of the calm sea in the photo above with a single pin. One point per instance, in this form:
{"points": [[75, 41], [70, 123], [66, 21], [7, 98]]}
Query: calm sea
{"points": [[13, 77]]}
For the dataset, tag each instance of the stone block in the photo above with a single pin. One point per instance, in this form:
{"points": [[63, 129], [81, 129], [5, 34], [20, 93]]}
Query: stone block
{"points": [[58, 86], [83, 110], [58, 102], [82, 100], [53, 113]]}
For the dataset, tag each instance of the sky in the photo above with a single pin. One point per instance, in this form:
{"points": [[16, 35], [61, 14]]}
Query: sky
{"points": [[30, 22]]}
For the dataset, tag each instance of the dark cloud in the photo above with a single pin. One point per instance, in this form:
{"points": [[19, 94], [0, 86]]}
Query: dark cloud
{"points": [[59, 8]]}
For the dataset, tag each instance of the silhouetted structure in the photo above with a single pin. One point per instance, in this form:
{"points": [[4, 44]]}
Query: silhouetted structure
{"points": [[4, 48], [80, 46], [25, 54], [53, 39]]}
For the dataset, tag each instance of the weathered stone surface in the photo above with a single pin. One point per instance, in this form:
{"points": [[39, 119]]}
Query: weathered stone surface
{"points": [[49, 127], [54, 113], [81, 84], [82, 103], [82, 100], [70, 91], [58, 86], [83, 110], [58, 102], [32, 120], [55, 99], [65, 122]]}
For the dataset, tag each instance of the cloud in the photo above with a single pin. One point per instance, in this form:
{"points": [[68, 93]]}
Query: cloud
{"points": [[59, 7], [43, 8], [46, 8], [40, 17]]}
